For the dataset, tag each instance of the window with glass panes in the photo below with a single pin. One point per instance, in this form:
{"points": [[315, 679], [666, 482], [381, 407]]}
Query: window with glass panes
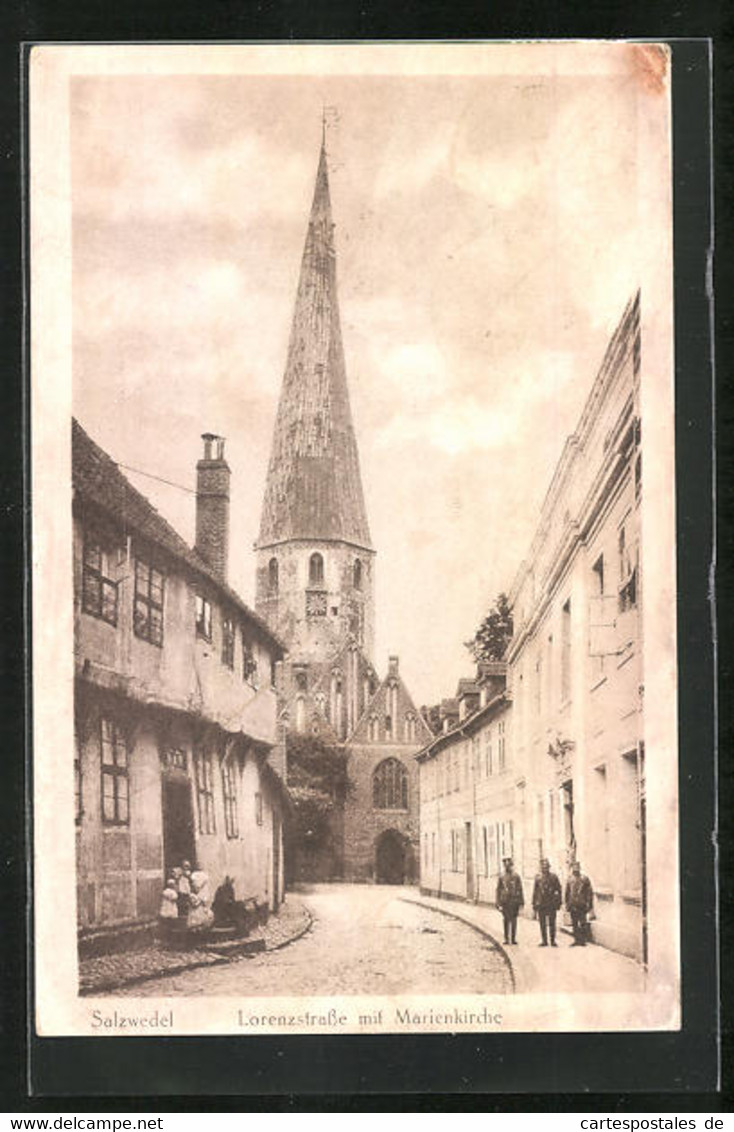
{"points": [[99, 592], [205, 791], [488, 768], [148, 608], [115, 778], [229, 789], [390, 786], [249, 662], [203, 617], [78, 807], [501, 746], [228, 642]]}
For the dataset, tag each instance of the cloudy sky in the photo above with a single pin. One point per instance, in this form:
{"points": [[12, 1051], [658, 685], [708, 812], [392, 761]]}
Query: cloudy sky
{"points": [[487, 242]]}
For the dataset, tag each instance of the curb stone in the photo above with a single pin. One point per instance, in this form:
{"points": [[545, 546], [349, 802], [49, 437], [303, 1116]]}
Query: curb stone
{"points": [[470, 924], [209, 959]]}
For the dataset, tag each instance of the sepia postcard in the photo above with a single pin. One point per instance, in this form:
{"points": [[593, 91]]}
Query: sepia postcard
{"points": [[354, 570]]}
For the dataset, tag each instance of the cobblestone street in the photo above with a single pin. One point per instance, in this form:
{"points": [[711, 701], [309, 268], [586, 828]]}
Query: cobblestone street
{"points": [[363, 940]]}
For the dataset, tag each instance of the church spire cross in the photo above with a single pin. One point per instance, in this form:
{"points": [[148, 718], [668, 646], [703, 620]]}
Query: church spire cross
{"points": [[314, 488]]}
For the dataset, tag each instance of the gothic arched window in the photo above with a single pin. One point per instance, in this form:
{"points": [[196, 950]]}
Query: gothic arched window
{"points": [[357, 574], [316, 570], [273, 575], [390, 786]]}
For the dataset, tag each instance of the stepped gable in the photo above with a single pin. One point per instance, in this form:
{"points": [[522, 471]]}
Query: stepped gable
{"points": [[378, 705], [314, 487]]}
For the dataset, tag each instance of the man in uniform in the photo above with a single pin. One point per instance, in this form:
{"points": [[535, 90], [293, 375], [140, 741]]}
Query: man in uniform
{"points": [[510, 899], [547, 899], [579, 902]]}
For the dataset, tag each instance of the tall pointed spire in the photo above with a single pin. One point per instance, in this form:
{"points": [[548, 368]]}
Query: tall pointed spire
{"points": [[314, 488]]}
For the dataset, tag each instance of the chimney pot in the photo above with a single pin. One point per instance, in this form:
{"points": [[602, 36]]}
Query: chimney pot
{"points": [[212, 504]]}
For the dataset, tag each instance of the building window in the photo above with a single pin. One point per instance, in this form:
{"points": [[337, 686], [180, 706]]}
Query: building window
{"points": [[390, 786], [566, 650], [316, 570], [597, 600], [273, 579], [373, 729], [598, 572], [249, 662], [229, 790], [601, 832], [205, 791], [501, 746], [410, 728], [300, 714], [115, 780], [174, 758], [388, 727], [228, 642], [203, 618], [99, 592], [627, 573], [507, 846], [148, 608], [259, 808], [475, 757], [456, 856], [78, 798], [629, 814], [488, 768], [357, 574]]}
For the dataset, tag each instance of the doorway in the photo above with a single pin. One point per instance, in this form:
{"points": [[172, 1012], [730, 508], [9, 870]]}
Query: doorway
{"points": [[179, 842], [390, 858]]}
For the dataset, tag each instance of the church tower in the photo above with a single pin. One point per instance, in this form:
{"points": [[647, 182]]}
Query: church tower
{"points": [[315, 561]]}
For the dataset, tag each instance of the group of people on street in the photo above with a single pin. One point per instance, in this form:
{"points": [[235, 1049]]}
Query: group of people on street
{"points": [[548, 897], [185, 898]]}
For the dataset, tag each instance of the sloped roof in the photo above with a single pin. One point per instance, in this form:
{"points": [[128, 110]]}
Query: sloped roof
{"points": [[314, 487], [465, 727], [97, 478]]}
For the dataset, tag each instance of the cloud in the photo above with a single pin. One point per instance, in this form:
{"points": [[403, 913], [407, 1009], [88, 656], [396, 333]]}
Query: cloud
{"points": [[475, 422]]}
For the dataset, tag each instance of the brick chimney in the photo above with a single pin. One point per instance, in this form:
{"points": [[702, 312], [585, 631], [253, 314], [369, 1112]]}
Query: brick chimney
{"points": [[212, 505]]}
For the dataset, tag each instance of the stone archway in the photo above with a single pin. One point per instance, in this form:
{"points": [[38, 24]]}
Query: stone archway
{"points": [[390, 858]]}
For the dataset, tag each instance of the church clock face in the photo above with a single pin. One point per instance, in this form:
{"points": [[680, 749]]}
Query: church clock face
{"points": [[315, 603]]}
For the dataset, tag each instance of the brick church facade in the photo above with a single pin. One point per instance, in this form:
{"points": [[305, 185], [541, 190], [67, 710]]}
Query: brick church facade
{"points": [[315, 588]]}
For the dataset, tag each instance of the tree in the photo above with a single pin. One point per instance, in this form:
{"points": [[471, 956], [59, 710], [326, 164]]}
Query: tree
{"points": [[317, 783], [432, 717], [495, 632]]}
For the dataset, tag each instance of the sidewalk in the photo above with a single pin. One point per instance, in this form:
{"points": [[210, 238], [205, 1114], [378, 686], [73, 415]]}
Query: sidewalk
{"points": [[545, 970], [125, 968]]}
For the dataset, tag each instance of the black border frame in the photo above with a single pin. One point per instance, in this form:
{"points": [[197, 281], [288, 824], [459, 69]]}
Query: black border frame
{"points": [[509, 1066]]}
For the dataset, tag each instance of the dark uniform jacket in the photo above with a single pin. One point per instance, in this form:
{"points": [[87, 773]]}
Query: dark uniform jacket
{"points": [[509, 891], [579, 894], [547, 894]]}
